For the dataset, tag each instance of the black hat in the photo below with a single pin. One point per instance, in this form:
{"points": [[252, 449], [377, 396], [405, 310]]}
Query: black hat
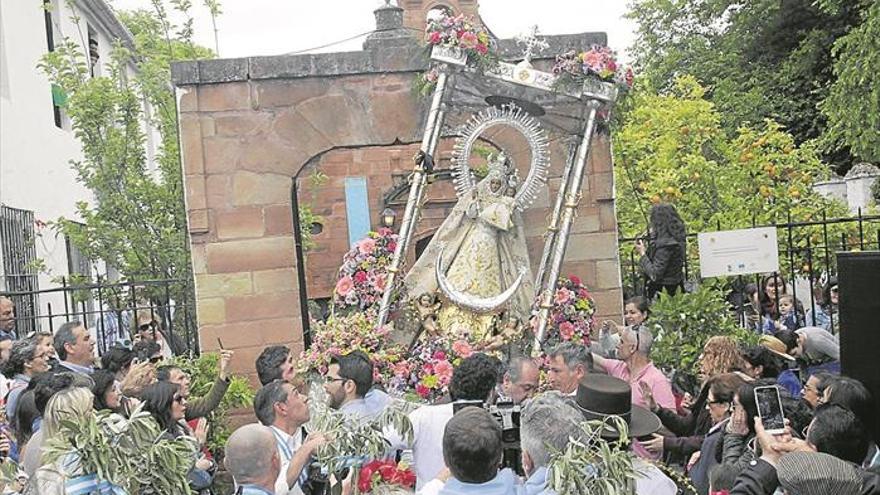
{"points": [[601, 396]]}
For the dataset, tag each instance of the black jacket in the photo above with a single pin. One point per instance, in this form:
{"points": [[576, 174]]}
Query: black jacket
{"points": [[759, 478], [664, 264]]}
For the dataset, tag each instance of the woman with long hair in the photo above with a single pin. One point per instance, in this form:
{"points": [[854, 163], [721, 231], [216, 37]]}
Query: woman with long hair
{"points": [[720, 355], [26, 359], [662, 259], [164, 401]]}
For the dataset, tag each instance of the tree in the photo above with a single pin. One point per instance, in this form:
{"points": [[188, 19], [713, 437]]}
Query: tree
{"points": [[853, 104], [671, 148], [137, 221], [759, 59]]}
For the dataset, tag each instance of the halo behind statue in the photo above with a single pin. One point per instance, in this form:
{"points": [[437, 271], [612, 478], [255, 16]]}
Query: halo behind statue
{"points": [[512, 116]]}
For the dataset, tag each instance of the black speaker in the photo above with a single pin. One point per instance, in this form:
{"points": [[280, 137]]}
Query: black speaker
{"points": [[859, 283]]}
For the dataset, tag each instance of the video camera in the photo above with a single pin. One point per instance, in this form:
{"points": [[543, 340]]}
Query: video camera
{"points": [[507, 416]]}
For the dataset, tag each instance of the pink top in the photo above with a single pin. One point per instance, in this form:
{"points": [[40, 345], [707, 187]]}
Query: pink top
{"points": [[656, 380]]}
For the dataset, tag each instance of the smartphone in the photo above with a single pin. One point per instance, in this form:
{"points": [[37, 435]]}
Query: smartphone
{"points": [[770, 409]]}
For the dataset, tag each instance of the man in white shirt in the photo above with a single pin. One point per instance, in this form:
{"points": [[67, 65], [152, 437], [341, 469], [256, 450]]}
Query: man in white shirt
{"points": [[569, 363], [473, 380], [284, 410]]}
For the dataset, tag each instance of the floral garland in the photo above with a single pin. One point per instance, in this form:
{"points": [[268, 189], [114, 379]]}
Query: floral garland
{"points": [[354, 332], [377, 474], [571, 318], [428, 369], [364, 271], [573, 67], [456, 32]]}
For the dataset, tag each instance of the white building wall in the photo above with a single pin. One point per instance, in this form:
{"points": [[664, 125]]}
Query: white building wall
{"points": [[35, 155]]}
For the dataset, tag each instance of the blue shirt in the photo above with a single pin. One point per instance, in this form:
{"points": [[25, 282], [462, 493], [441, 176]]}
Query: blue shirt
{"points": [[85, 370], [537, 483], [502, 484], [252, 490]]}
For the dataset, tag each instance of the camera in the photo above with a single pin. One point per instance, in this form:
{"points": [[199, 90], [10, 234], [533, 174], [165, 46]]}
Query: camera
{"points": [[507, 415]]}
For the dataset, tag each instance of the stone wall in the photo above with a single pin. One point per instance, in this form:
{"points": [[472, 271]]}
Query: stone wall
{"points": [[248, 129]]}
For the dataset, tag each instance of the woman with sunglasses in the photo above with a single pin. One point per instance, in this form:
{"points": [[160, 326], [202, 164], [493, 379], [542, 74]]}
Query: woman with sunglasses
{"points": [[719, 404], [164, 401], [826, 314]]}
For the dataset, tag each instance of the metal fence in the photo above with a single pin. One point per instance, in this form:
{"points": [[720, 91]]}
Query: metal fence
{"points": [[112, 310], [807, 258]]}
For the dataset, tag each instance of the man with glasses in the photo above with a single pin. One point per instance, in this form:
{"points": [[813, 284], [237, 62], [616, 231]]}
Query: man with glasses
{"points": [[635, 367], [348, 382], [281, 407]]}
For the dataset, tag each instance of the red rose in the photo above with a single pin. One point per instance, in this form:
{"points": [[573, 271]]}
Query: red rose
{"points": [[423, 391], [439, 355], [408, 478], [360, 277], [387, 472], [434, 38], [575, 280], [391, 246]]}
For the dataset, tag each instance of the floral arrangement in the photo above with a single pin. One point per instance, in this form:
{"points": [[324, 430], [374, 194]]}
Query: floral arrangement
{"points": [[363, 274], [428, 369], [599, 62], [354, 332], [456, 32], [378, 473], [571, 318]]}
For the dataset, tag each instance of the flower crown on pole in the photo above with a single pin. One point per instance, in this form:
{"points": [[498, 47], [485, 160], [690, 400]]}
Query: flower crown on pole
{"points": [[460, 33], [599, 62]]}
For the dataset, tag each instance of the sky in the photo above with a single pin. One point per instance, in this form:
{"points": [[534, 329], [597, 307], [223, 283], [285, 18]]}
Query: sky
{"points": [[274, 27]]}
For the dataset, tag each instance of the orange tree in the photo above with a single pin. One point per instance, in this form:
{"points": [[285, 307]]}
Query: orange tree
{"points": [[670, 147]]}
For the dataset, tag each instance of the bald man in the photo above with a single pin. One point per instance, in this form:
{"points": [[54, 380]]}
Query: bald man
{"points": [[252, 459], [7, 318]]}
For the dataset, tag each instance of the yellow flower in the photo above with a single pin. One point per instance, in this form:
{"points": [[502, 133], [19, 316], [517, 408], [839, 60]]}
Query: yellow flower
{"points": [[430, 381]]}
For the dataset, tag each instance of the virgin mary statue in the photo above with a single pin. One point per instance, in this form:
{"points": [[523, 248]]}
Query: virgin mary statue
{"points": [[478, 259]]}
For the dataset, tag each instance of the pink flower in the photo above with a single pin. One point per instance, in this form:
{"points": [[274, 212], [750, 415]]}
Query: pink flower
{"points": [[380, 283], [439, 355], [443, 370], [385, 231], [563, 296], [366, 246], [360, 277], [574, 279], [566, 330], [583, 294], [468, 40], [423, 391], [391, 246], [462, 348], [482, 49], [434, 38], [401, 369], [344, 286]]}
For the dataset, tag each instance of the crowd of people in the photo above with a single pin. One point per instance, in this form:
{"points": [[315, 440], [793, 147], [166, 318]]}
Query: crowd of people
{"points": [[711, 438]]}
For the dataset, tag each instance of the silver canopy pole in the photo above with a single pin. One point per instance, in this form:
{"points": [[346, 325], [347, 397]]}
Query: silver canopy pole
{"points": [[416, 190]]}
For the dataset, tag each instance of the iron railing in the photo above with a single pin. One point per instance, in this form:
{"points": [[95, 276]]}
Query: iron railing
{"points": [[806, 257], [111, 309], [19, 261]]}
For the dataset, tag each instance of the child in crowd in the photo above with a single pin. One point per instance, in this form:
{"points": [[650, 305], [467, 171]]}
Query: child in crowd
{"points": [[790, 316], [722, 478]]}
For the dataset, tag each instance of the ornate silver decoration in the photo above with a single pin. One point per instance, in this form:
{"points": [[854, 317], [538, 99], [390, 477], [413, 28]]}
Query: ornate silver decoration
{"points": [[530, 42], [474, 303], [513, 116]]}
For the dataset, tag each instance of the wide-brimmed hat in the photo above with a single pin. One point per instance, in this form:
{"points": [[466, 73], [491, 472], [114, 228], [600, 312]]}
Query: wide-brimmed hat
{"points": [[775, 346], [809, 473], [601, 396]]}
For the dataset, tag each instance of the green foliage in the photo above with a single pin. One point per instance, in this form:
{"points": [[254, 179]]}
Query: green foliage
{"points": [[593, 464], [137, 221], [671, 148], [853, 104], [203, 372], [130, 453], [682, 323], [760, 59], [307, 216]]}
